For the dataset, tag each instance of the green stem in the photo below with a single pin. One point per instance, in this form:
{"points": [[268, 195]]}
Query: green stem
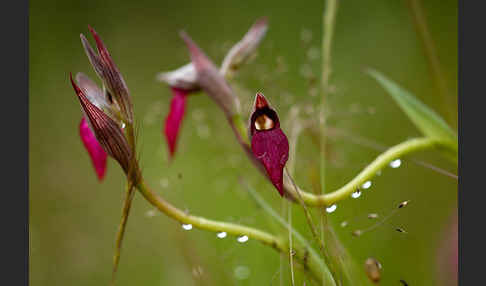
{"points": [[329, 17], [328, 32], [230, 228], [127, 203], [397, 151]]}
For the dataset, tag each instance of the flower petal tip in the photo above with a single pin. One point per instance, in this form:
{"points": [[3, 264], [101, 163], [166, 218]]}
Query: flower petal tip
{"points": [[173, 121], [96, 152], [260, 101]]}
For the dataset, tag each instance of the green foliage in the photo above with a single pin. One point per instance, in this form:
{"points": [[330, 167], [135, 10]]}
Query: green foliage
{"points": [[424, 118]]}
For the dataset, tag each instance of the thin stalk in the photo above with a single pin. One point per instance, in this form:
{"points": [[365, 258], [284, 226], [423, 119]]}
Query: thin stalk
{"points": [[132, 177], [291, 254], [127, 203], [328, 32], [298, 237]]}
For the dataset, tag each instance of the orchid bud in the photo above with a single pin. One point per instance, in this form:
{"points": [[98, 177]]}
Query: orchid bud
{"points": [[108, 133], [95, 151], [242, 50], [269, 144], [210, 79], [173, 121], [106, 69]]}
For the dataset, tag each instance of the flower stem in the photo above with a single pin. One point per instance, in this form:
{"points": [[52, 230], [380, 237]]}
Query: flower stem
{"points": [[127, 203], [397, 151], [230, 228]]}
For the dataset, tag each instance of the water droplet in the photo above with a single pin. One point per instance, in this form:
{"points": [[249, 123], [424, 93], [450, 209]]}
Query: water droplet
{"points": [[344, 224], [187, 226], [395, 163], [372, 216], [241, 272], [366, 185], [356, 194], [331, 209], [242, 239], [123, 125], [221, 234]]}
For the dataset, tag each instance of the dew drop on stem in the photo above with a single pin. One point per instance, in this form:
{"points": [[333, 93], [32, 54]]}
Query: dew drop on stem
{"points": [[331, 208], [395, 163], [221, 234], [356, 194], [187, 226], [242, 239], [366, 185]]}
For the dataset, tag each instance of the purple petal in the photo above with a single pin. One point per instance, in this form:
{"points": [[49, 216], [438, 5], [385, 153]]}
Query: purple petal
{"points": [[271, 148], [96, 152], [173, 121]]}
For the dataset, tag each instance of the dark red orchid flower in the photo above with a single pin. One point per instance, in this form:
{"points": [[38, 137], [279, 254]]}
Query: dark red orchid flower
{"points": [[268, 142]]}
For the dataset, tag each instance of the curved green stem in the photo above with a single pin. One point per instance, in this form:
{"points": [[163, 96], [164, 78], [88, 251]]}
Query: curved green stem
{"points": [[230, 228], [397, 151]]}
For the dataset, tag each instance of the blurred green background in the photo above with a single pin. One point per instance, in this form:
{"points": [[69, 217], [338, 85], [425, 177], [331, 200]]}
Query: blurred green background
{"points": [[74, 218]]}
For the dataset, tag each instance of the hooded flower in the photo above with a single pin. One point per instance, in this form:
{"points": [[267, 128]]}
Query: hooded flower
{"points": [[107, 131], [268, 142], [201, 73]]}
